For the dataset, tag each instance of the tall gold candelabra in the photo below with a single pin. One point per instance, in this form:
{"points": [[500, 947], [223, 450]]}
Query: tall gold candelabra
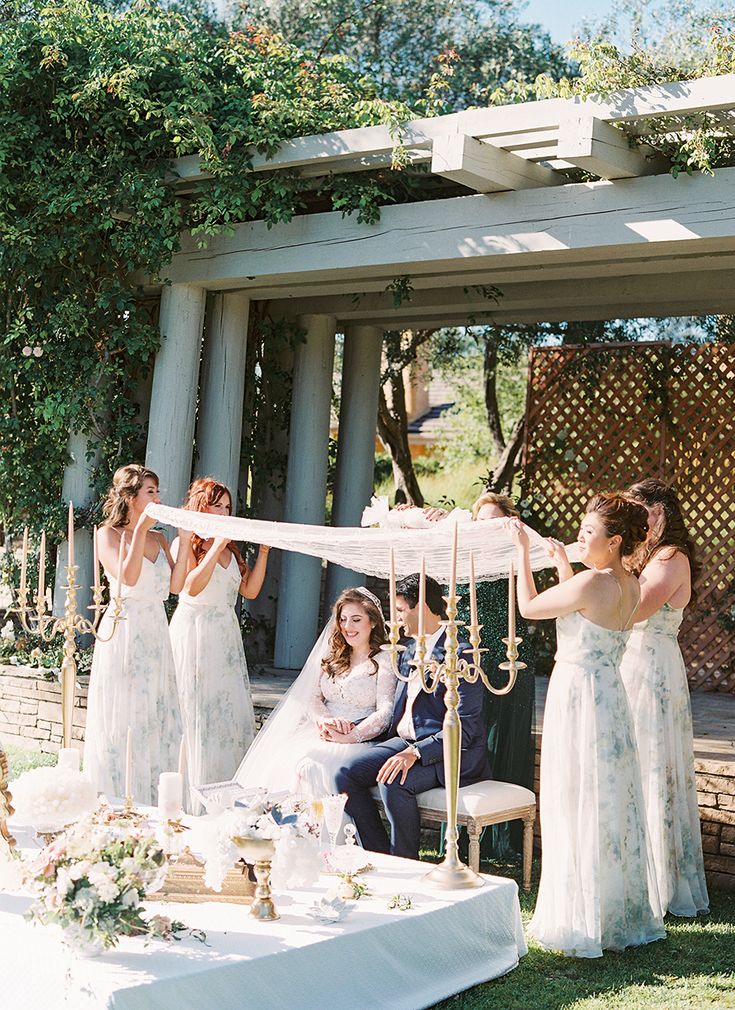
{"points": [[41, 621], [452, 872]]}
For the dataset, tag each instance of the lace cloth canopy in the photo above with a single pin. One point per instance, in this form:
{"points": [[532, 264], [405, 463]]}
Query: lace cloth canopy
{"points": [[368, 550]]}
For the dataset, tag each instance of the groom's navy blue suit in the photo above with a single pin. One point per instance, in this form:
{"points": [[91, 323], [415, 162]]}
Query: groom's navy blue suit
{"points": [[358, 777]]}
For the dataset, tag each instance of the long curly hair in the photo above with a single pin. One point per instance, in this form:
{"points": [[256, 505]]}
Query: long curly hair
{"points": [[337, 660], [203, 492], [671, 535], [126, 483], [622, 517]]}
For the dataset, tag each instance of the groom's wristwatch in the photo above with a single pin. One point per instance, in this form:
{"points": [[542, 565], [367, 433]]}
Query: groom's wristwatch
{"points": [[415, 751]]}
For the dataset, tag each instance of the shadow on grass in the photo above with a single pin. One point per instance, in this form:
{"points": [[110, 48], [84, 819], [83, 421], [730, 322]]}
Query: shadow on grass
{"points": [[693, 968]]}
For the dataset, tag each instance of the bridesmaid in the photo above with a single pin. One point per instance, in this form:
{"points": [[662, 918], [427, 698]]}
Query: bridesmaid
{"points": [[211, 672], [598, 887], [656, 682], [132, 682]]}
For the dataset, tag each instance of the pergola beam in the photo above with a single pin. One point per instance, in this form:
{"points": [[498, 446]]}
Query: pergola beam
{"points": [[602, 150], [599, 221], [485, 168], [703, 290], [528, 128]]}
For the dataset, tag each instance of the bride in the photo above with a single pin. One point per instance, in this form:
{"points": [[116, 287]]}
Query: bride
{"points": [[341, 701]]}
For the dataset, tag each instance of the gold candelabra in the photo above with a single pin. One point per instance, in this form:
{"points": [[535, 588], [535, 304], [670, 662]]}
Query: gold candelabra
{"points": [[452, 872], [40, 620]]}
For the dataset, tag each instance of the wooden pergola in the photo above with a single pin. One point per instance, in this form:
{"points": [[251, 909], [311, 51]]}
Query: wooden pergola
{"points": [[563, 205]]}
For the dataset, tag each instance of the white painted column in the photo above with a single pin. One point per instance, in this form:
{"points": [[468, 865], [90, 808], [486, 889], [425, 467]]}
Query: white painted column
{"points": [[358, 415], [306, 484], [174, 394], [219, 429], [77, 488]]}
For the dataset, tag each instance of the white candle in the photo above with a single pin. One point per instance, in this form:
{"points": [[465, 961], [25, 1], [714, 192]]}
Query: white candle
{"points": [[182, 756], [69, 757], [95, 548], [392, 586], [453, 573], [70, 535], [170, 795], [422, 595], [120, 556], [42, 567], [24, 561], [129, 764], [473, 591], [512, 602]]}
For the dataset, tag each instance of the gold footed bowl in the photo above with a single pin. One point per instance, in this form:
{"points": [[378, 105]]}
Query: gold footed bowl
{"points": [[259, 852]]}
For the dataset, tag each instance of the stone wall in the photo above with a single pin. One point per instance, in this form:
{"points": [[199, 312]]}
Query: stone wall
{"points": [[716, 797], [30, 709]]}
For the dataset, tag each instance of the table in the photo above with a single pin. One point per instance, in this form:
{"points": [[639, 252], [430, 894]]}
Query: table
{"points": [[374, 958]]}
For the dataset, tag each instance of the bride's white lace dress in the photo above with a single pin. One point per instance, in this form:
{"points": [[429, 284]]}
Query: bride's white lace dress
{"points": [[362, 696], [655, 679], [598, 888]]}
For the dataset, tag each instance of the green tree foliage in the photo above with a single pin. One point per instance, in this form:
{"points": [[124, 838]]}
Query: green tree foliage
{"points": [[95, 103], [435, 55]]}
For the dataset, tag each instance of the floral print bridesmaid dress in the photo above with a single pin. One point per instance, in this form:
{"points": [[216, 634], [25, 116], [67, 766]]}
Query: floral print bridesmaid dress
{"points": [[598, 888], [656, 683], [212, 677]]}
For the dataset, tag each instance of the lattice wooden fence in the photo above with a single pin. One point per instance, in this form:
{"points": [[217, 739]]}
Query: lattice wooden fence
{"points": [[600, 416]]}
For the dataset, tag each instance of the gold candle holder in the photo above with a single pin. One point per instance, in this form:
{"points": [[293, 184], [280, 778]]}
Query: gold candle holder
{"points": [[451, 873], [40, 622]]}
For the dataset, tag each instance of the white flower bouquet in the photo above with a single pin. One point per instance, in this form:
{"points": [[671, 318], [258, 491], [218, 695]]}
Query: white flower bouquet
{"points": [[92, 878], [50, 798], [277, 819]]}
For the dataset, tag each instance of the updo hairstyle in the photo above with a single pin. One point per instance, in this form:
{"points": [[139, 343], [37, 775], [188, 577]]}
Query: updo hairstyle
{"points": [[623, 517]]}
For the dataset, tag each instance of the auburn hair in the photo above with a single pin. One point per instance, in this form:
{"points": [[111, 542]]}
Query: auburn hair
{"points": [[203, 492], [673, 535], [622, 517], [337, 660], [126, 483]]}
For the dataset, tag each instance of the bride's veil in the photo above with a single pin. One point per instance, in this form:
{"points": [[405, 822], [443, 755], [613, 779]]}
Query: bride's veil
{"points": [[271, 759]]}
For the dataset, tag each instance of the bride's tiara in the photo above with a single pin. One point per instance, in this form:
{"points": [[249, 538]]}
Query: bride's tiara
{"points": [[364, 591]]}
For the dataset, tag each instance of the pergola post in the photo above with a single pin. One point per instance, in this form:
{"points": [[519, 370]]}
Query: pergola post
{"points": [[174, 394], [306, 483], [219, 429], [358, 414]]}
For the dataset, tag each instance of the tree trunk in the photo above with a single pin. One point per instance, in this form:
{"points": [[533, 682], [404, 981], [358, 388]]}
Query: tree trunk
{"points": [[490, 376], [507, 465], [393, 431]]}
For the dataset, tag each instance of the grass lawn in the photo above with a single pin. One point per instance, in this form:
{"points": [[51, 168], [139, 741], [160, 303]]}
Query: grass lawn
{"points": [[692, 969], [21, 760]]}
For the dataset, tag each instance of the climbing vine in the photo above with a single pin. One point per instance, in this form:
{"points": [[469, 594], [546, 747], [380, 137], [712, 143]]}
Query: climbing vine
{"points": [[95, 105], [691, 143]]}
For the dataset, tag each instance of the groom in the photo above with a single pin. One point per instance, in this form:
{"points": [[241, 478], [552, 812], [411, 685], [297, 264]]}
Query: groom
{"points": [[410, 759]]}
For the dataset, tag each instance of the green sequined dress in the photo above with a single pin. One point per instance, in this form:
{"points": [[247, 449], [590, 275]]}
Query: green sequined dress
{"points": [[510, 717]]}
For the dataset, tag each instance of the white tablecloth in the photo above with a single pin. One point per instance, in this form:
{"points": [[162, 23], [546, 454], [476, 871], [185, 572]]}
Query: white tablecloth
{"points": [[447, 942]]}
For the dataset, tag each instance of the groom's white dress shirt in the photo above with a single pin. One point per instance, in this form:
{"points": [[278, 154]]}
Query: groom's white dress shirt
{"points": [[405, 728]]}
